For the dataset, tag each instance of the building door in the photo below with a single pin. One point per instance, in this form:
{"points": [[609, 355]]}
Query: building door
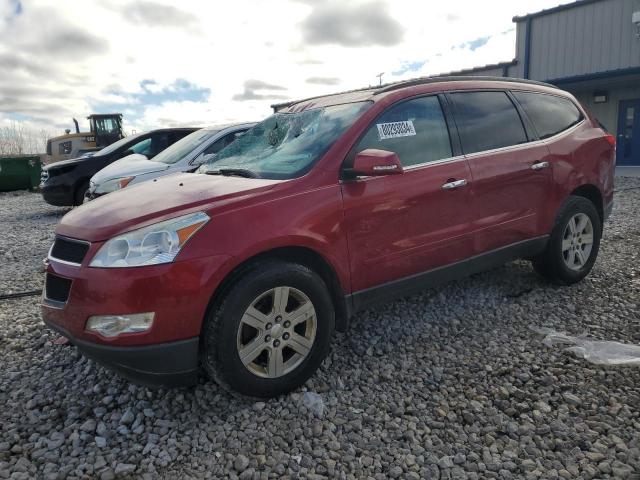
{"points": [[628, 142]]}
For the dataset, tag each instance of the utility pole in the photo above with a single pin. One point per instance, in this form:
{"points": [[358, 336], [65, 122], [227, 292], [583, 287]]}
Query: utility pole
{"points": [[380, 78]]}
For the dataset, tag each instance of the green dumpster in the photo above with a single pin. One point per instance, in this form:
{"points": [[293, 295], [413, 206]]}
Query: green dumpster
{"points": [[19, 172]]}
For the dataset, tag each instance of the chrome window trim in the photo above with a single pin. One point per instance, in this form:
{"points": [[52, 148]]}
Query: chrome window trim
{"points": [[520, 146], [434, 162], [66, 262], [488, 152], [527, 144]]}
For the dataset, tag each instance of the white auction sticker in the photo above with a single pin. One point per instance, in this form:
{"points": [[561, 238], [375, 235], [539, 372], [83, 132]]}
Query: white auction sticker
{"points": [[395, 129]]}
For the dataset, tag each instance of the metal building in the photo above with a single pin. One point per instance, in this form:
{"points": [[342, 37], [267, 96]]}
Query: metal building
{"points": [[592, 49]]}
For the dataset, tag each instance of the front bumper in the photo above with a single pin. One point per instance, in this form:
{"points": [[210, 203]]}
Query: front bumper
{"points": [[91, 192], [58, 191], [172, 364], [178, 293]]}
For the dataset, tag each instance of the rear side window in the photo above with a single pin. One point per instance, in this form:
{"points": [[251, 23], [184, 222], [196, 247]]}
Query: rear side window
{"points": [[487, 120], [550, 114], [415, 130]]}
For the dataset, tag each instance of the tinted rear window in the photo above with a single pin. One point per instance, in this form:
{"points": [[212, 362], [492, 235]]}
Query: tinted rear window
{"points": [[550, 114], [487, 120]]}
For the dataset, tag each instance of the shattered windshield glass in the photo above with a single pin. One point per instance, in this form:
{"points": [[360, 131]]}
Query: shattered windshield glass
{"points": [[286, 145]]}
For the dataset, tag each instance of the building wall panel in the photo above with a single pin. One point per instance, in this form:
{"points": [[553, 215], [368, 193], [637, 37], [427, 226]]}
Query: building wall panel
{"points": [[595, 37]]}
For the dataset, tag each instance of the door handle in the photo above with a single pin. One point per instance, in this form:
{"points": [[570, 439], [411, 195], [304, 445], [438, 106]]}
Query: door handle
{"points": [[454, 184], [539, 165]]}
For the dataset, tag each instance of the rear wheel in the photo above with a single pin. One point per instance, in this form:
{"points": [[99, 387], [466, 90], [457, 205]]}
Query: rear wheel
{"points": [[270, 332], [573, 247]]}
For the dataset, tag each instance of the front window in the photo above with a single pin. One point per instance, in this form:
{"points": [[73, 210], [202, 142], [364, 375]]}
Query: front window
{"points": [[184, 146], [287, 145], [415, 130]]}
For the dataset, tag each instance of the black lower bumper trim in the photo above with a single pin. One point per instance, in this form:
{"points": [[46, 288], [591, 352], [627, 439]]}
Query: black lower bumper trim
{"points": [[170, 364]]}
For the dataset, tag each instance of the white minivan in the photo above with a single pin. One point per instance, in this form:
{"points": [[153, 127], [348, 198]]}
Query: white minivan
{"points": [[185, 155]]}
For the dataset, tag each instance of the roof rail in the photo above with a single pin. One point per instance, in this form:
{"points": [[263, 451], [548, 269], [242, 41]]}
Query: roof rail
{"points": [[279, 106], [416, 81], [461, 78]]}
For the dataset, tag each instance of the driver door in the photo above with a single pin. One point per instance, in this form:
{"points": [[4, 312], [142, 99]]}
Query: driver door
{"points": [[405, 224]]}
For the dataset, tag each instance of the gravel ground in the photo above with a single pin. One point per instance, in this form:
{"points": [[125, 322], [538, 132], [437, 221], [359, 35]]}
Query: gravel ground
{"points": [[452, 383]]}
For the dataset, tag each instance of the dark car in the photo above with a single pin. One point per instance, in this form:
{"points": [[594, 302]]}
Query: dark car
{"points": [[326, 208], [65, 183]]}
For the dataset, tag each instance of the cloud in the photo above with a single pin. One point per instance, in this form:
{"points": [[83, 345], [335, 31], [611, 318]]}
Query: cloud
{"points": [[17, 62], [252, 86], [323, 80], [151, 94], [260, 85], [349, 25], [164, 62], [154, 14], [66, 40]]}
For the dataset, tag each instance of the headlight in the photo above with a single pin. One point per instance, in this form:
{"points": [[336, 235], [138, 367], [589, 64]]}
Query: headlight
{"points": [[113, 185], [152, 245]]}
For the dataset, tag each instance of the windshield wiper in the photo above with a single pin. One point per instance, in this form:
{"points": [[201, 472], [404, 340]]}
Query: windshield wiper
{"points": [[234, 172]]}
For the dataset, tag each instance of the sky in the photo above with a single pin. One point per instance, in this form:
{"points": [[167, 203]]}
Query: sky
{"points": [[192, 62]]}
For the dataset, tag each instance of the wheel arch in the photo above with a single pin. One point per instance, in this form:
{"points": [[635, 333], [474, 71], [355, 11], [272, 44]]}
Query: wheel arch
{"points": [[593, 194], [296, 254]]}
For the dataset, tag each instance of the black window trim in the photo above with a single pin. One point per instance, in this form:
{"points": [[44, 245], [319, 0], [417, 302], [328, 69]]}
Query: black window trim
{"points": [[456, 150], [527, 132], [582, 118]]}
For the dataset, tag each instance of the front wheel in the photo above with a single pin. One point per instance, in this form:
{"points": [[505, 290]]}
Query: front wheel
{"points": [[81, 193], [270, 332], [574, 243]]}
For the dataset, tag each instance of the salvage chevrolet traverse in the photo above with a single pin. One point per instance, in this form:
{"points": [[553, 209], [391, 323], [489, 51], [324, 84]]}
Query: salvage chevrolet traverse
{"points": [[324, 208]]}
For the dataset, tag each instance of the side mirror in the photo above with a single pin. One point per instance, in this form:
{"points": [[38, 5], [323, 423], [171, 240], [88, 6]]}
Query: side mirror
{"points": [[375, 163], [208, 157]]}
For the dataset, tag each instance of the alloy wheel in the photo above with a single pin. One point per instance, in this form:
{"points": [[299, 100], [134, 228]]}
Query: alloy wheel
{"points": [[276, 332], [577, 241]]}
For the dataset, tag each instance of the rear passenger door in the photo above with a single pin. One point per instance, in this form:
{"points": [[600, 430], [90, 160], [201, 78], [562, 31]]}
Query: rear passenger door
{"points": [[510, 171], [401, 225]]}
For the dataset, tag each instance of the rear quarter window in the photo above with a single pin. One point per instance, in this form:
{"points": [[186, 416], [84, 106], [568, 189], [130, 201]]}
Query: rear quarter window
{"points": [[550, 114], [487, 120]]}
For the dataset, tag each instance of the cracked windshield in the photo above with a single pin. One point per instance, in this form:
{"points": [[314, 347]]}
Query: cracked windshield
{"points": [[285, 145]]}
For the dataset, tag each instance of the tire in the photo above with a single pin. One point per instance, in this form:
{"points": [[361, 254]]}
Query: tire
{"points": [[227, 332], [78, 198], [562, 266]]}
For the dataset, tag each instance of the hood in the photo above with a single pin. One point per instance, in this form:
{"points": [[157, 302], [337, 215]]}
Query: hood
{"points": [[150, 202], [131, 165]]}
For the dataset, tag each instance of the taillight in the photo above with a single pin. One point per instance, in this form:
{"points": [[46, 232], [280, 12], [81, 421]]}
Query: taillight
{"points": [[611, 139]]}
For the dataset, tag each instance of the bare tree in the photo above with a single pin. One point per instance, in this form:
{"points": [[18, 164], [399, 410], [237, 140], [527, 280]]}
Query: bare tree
{"points": [[16, 139]]}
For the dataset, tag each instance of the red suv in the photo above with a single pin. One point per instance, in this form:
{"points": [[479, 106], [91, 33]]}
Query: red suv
{"points": [[332, 204]]}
